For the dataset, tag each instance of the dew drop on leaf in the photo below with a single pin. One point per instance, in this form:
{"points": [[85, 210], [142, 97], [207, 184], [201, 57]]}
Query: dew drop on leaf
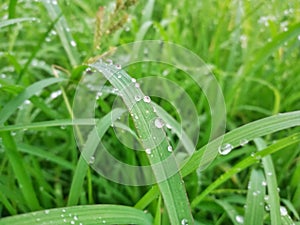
{"points": [[159, 123], [283, 211], [92, 160], [184, 222], [73, 43], [137, 98], [147, 99], [239, 219], [148, 151], [243, 142], [225, 149]]}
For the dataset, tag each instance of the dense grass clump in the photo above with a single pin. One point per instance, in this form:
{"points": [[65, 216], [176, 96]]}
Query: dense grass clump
{"points": [[56, 66]]}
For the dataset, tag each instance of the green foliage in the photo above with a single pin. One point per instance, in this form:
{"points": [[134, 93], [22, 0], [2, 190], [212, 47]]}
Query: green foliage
{"points": [[252, 47]]}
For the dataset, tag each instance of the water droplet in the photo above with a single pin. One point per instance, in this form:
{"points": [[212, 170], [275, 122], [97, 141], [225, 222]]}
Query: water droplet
{"points": [[168, 126], [137, 98], [55, 94], [148, 151], [27, 102], [104, 221], [165, 72], [92, 160], [119, 76], [170, 149], [99, 94], [184, 222], [73, 43], [137, 85], [109, 62], [267, 208], [53, 32], [299, 37], [47, 211], [159, 123], [266, 198], [63, 210], [264, 183], [147, 99], [75, 218], [283, 211], [269, 173], [243, 142], [72, 222], [118, 66], [239, 219], [225, 149], [133, 80]]}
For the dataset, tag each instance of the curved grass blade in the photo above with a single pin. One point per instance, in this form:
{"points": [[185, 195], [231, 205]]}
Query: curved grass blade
{"points": [[11, 106], [248, 132], [255, 199], [88, 150], [143, 115], [250, 160], [88, 214]]}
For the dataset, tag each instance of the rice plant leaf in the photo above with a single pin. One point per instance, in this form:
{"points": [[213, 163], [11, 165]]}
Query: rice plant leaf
{"points": [[255, 198], [171, 187], [250, 160], [248, 132], [88, 150], [12, 105], [9, 22], [274, 199], [87, 214], [63, 31]]}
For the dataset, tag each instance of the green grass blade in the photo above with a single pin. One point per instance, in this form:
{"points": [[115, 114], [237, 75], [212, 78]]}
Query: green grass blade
{"points": [[9, 22], [11, 106], [274, 199], [248, 132], [151, 195], [230, 210], [88, 150], [44, 124], [46, 155], [12, 9], [255, 199], [250, 160], [88, 214], [20, 172], [143, 115], [63, 31]]}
